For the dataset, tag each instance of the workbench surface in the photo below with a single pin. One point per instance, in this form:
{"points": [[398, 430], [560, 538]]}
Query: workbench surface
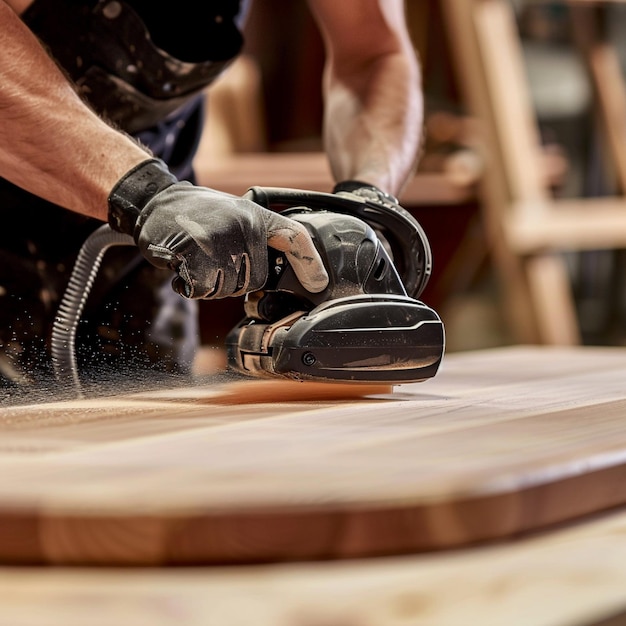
{"points": [[499, 443], [490, 494]]}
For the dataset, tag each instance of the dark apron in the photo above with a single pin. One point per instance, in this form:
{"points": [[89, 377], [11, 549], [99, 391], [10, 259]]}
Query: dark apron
{"points": [[133, 320]]}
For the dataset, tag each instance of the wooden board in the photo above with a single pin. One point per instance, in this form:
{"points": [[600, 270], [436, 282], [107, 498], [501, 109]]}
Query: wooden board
{"points": [[572, 576], [500, 442], [310, 170]]}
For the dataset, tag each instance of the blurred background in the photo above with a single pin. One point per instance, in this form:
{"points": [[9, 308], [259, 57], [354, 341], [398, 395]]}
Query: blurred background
{"points": [[517, 119]]}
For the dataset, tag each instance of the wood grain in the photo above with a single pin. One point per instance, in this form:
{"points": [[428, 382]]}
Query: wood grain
{"points": [[500, 442]]}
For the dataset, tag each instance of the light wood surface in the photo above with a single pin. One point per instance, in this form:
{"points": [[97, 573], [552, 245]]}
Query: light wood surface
{"points": [[572, 576], [498, 443]]}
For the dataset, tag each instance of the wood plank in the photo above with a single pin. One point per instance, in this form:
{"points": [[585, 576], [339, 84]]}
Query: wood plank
{"points": [[570, 224], [571, 576], [500, 442], [309, 170]]}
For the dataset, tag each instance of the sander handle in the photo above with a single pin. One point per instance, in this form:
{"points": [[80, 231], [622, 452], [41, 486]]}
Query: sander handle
{"points": [[411, 251]]}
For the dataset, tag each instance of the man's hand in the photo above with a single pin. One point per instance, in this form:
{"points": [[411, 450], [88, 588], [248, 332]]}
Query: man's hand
{"points": [[215, 242]]}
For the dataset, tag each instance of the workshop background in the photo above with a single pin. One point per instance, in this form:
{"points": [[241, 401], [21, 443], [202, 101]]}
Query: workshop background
{"points": [[269, 104]]}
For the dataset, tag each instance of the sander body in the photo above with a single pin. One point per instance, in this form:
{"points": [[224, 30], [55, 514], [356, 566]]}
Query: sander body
{"points": [[368, 325]]}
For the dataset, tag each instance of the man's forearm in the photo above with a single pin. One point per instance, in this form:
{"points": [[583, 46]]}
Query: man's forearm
{"points": [[373, 93], [51, 143], [373, 122]]}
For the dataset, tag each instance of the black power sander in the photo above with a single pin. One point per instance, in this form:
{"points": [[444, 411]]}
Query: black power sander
{"points": [[367, 325]]}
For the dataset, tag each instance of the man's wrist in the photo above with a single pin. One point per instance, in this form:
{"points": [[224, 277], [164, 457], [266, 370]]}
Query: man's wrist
{"points": [[133, 192]]}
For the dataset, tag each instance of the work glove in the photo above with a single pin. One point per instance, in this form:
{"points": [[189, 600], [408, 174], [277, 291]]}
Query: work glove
{"points": [[215, 242], [373, 194], [366, 191]]}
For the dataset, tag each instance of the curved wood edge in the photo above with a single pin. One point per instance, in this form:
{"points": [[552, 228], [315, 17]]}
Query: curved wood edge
{"points": [[267, 535]]}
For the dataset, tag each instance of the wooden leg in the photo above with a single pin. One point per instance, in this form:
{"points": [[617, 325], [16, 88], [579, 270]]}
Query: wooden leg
{"points": [[603, 65], [552, 300], [517, 298]]}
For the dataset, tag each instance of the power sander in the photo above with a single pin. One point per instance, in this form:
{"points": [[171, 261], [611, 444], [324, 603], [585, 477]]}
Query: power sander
{"points": [[367, 326]]}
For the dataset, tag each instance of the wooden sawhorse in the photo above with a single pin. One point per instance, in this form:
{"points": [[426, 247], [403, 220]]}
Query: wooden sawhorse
{"points": [[526, 227]]}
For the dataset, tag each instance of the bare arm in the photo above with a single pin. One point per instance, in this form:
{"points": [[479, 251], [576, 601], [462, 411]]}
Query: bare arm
{"points": [[373, 98], [51, 143]]}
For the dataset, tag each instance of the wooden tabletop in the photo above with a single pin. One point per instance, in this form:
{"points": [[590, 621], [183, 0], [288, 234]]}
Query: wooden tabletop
{"points": [[499, 443]]}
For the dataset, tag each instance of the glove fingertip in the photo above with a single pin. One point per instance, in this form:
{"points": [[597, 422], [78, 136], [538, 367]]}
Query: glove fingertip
{"points": [[317, 283], [311, 274]]}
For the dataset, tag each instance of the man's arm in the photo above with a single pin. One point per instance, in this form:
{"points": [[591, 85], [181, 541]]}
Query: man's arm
{"points": [[51, 143], [373, 97]]}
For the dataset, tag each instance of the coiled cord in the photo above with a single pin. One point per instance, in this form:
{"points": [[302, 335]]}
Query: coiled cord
{"points": [[73, 302]]}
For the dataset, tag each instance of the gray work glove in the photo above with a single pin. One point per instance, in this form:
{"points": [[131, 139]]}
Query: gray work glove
{"points": [[215, 242], [366, 191]]}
